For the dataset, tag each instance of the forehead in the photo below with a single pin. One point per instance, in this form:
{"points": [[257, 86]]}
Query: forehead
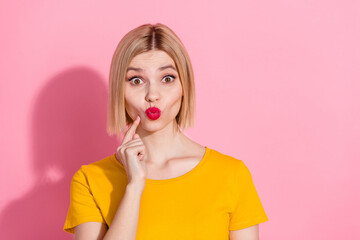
{"points": [[151, 58]]}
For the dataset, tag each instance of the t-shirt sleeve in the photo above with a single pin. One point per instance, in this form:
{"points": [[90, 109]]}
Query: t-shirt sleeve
{"points": [[248, 210], [83, 207]]}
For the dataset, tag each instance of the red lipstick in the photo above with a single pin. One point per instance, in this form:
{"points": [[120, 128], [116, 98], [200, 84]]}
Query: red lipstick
{"points": [[153, 113]]}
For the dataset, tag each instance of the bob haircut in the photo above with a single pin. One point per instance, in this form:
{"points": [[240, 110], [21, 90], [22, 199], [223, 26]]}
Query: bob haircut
{"points": [[139, 40]]}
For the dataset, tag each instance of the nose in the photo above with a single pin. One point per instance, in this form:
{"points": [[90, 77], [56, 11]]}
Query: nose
{"points": [[152, 93]]}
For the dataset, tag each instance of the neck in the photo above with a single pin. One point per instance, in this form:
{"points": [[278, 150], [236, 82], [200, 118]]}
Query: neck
{"points": [[162, 145]]}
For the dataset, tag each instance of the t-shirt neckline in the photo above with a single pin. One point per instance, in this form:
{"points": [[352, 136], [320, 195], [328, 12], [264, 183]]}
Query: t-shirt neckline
{"points": [[185, 175]]}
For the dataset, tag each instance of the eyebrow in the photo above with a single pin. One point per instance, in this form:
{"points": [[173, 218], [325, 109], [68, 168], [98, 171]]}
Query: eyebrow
{"points": [[159, 69]]}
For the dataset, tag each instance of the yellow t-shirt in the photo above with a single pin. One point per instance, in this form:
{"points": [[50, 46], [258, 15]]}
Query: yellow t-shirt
{"points": [[216, 196]]}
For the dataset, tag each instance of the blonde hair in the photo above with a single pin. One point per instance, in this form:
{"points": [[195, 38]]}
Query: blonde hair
{"points": [[142, 39]]}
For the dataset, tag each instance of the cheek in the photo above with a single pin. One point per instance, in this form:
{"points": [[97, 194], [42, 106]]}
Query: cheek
{"points": [[130, 96], [130, 102], [175, 96]]}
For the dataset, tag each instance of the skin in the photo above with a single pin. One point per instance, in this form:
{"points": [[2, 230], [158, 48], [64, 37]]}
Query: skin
{"points": [[250, 233], [168, 153], [164, 147]]}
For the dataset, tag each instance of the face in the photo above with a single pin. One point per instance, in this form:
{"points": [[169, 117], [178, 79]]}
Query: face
{"points": [[153, 81]]}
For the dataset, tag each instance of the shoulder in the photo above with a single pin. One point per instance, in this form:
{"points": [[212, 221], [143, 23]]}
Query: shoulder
{"points": [[224, 159], [230, 164], [227, 164], [99, 179], [107, 165]]}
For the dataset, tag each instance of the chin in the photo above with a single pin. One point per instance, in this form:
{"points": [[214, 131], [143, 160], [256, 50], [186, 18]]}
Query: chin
{"points": [[152, 129], [154, 125]]}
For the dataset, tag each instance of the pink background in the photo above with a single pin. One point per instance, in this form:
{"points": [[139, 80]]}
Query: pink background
{"points": [[277, 87]]}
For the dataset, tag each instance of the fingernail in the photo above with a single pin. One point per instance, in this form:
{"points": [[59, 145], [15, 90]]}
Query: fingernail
{"points": [[137, 117]]}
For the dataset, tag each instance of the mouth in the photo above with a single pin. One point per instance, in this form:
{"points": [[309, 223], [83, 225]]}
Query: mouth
{"points": [[153, 113]]}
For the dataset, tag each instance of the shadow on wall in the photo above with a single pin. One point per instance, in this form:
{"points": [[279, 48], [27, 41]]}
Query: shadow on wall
{"points": [[68, 129]]}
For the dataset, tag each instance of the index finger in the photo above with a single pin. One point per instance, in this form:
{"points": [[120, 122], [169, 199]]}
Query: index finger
{"points": [[131, 131]]}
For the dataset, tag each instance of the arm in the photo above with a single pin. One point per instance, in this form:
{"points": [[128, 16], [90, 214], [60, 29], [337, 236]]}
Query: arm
{"points": [[250, 233], [90, 230], [124, 225]]}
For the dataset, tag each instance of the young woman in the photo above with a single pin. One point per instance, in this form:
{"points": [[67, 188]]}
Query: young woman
{"points": [[160, 184]]}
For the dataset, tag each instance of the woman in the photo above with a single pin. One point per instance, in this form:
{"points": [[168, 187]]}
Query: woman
{"points": [[160, 184]]}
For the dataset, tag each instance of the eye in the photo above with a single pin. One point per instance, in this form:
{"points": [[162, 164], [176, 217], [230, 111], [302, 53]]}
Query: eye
{"points": [[135, 80], [169, 78]]}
